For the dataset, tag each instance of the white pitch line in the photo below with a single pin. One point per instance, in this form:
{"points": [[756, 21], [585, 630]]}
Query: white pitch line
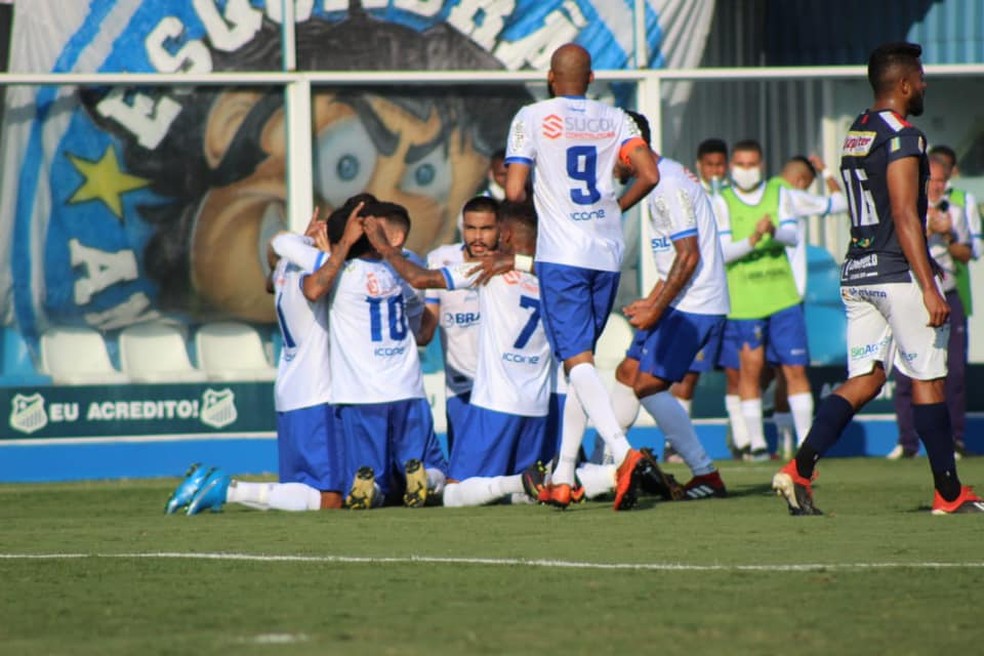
{"points": [[509, 562]]}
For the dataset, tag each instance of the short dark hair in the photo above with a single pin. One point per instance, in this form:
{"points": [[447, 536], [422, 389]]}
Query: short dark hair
{"points": [[481, 204], [643, 124], [886, 57], [394, 213], [805, 161], [712, 146], [498, 153], [944, 151], [523, 214], [748, 144]]}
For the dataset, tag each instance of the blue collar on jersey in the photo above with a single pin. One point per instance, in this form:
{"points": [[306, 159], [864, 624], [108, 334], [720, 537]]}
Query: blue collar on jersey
{"points": [[575, 97]]}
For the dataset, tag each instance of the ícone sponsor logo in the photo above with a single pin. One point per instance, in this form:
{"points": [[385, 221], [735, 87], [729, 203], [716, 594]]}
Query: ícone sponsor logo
{"points": [[27, 413], [218, 408]]}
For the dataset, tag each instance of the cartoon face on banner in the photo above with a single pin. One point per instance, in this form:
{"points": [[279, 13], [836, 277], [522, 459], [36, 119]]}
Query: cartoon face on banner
{"points": [[162, 200]]}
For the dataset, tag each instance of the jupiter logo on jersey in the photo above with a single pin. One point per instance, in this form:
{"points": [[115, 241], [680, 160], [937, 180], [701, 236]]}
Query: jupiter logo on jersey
{"points": [[553, 126]]}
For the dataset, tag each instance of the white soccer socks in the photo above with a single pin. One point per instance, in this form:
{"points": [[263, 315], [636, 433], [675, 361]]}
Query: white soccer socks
{"points": [[679, 430]]}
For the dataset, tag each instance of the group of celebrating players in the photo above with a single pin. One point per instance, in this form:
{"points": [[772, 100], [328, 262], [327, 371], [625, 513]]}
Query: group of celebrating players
{"points": [[523, 301]]}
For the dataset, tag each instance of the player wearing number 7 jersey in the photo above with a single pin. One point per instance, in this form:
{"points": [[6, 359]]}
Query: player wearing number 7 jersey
{"points": [[503, 431], [571, 145], [376, 383]]}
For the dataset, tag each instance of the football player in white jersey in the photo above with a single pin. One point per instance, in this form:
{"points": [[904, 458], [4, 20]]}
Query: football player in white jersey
{"points": [[683, 313], [456, 310], [571, 145], [310, 451], [377, 386], [504, 433]]}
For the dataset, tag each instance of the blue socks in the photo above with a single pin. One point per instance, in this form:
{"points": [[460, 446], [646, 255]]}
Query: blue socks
{"points": [[833, 416]]}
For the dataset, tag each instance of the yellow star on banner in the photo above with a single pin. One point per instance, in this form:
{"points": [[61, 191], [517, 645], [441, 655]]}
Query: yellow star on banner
{"points": [[103, 180]]}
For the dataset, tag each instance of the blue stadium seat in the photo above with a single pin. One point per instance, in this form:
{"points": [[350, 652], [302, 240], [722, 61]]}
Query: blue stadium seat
{"points": [[16, 365]]}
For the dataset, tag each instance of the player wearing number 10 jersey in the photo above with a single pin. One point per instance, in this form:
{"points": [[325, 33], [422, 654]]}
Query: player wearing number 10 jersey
{"points": [[571, 145], [376, 383]]}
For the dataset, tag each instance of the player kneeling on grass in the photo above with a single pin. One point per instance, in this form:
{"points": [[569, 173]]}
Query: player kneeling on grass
{"points": [[311, 460], [503, 438], [377, 385]]}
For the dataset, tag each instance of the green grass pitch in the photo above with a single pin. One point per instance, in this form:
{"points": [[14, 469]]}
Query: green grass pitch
{"points": [[878, 574]]}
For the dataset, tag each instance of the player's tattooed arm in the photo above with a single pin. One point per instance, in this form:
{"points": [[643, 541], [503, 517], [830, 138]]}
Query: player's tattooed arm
{"points": [[321, 281], [417, 276], [646, 313]]}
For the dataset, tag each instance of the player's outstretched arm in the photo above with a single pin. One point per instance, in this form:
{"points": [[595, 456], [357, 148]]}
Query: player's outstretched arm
{"points": [[903, 196], [492, 265], [417, 276], [646, 177], [647, 314]]}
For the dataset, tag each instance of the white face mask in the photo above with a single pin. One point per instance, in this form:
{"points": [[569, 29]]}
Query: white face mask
{"points": [[746, 179]]}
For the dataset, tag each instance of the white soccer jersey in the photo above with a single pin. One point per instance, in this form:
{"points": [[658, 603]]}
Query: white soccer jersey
{"points": [[797, 205], [572, 145], [459, 320], [303, 375], [373, 353], [679, 208], [515, 368], [413, 299]]}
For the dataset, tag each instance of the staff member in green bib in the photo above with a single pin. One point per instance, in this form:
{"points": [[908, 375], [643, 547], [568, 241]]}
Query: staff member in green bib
{"points": [[766, 320]]}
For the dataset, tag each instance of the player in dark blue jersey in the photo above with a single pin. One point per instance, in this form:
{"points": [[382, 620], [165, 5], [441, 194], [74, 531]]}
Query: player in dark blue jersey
{"points": [[896, 312]]}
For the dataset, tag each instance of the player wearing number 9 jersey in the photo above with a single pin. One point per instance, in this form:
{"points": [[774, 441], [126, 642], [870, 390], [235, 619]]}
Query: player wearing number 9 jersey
{"points": [[377, 387], [571, 145]]}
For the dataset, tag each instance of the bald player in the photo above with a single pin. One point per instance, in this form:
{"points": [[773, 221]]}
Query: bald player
{"points": [[571, 145]]}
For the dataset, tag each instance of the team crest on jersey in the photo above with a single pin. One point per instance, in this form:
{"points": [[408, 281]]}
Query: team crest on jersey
{"points": [[553, 126], [219, 408], [27, 413], [857, 143], [372, 284]]}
